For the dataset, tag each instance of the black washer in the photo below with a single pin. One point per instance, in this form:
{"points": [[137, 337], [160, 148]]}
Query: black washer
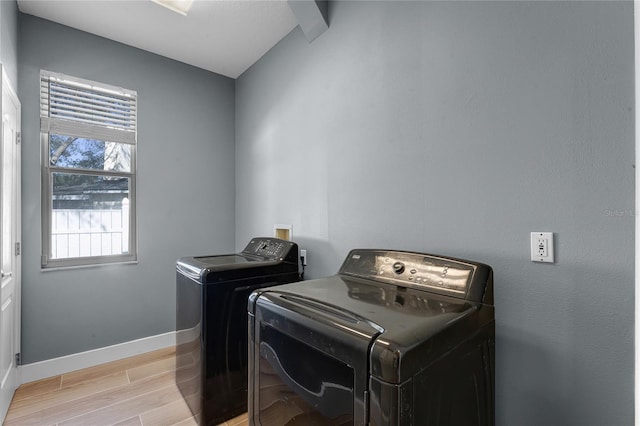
{"points": [[211, 322]]}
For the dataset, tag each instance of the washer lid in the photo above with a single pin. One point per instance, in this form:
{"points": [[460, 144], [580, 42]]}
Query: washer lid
{"points": [[262, 256], [227, 261], [213, 269]]}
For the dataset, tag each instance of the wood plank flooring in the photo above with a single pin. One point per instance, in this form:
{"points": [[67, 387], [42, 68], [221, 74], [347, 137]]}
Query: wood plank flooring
{"points": [[136, 391]]}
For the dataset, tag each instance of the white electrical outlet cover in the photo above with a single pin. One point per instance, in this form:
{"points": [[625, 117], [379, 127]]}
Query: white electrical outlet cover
{"points": [[542, 247]]}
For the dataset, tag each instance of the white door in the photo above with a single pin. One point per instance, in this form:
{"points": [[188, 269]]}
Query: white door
{"points": [[9, 245]]}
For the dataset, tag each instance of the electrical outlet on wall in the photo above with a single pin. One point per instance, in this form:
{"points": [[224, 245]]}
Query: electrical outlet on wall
{"points": [[542, 247]]}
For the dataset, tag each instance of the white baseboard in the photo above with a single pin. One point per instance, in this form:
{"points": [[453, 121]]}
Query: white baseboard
{"points": [[65, 364]]}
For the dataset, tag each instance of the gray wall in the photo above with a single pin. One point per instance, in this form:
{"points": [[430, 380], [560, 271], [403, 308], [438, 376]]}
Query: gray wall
{"points": [[185, 190], [459, 128], [9, 39]]}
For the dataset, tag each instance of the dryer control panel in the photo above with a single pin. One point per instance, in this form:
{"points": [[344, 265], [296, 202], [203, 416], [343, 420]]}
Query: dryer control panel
{"points": [[444, 275]]}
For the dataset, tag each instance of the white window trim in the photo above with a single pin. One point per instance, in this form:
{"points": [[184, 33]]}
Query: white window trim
{"points": [[88, 130]]}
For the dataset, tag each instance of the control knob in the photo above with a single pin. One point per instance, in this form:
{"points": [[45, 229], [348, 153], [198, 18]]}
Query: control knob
{"points": [[398, 267]]}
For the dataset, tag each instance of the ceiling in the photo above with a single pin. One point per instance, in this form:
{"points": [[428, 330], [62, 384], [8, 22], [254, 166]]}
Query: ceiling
{"points": [[222, 36]]}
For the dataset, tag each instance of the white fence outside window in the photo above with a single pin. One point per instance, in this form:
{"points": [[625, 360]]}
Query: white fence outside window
{"points": [[81, 233]]}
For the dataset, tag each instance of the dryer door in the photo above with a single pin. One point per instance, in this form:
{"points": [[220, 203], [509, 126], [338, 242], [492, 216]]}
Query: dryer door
{"points": [[309, 363]]}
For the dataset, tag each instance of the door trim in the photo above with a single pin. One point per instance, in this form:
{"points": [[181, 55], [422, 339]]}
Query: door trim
{"points": [[636, 31], [9, 94]]}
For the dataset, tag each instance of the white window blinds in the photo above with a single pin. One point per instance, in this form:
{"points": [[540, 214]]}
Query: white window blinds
{"points": [[75, 107]]}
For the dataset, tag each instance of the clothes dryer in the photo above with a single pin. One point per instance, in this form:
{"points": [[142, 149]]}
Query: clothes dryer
{"points": [[395, 338]]}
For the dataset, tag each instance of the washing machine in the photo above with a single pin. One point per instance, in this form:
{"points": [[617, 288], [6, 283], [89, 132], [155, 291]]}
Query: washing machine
{"points": [[395, 338], [211, 322]]}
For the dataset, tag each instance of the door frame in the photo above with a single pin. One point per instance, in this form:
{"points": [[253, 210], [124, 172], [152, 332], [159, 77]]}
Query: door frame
{"points": [[636, 31], [6, 89]]}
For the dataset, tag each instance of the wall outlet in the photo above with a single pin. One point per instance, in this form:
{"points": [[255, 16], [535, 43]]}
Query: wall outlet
{"points": [[303, 257], [542, 247]]}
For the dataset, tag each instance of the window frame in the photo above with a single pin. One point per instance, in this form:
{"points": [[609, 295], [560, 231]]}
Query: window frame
{"points": [[48, 170]]}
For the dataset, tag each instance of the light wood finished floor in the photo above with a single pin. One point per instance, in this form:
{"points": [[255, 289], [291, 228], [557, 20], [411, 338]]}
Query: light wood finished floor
{"points": [[137, 391]]}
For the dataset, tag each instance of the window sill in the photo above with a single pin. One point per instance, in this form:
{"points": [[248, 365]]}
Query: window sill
{"points": [[93, 265]]}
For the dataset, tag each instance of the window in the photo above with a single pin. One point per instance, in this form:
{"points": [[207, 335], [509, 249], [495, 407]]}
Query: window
{"points": [[88, 136]]}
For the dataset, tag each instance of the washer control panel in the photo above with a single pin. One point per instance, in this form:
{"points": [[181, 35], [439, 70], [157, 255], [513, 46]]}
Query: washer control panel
{"points": [[268, 247], [418, 270]]}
